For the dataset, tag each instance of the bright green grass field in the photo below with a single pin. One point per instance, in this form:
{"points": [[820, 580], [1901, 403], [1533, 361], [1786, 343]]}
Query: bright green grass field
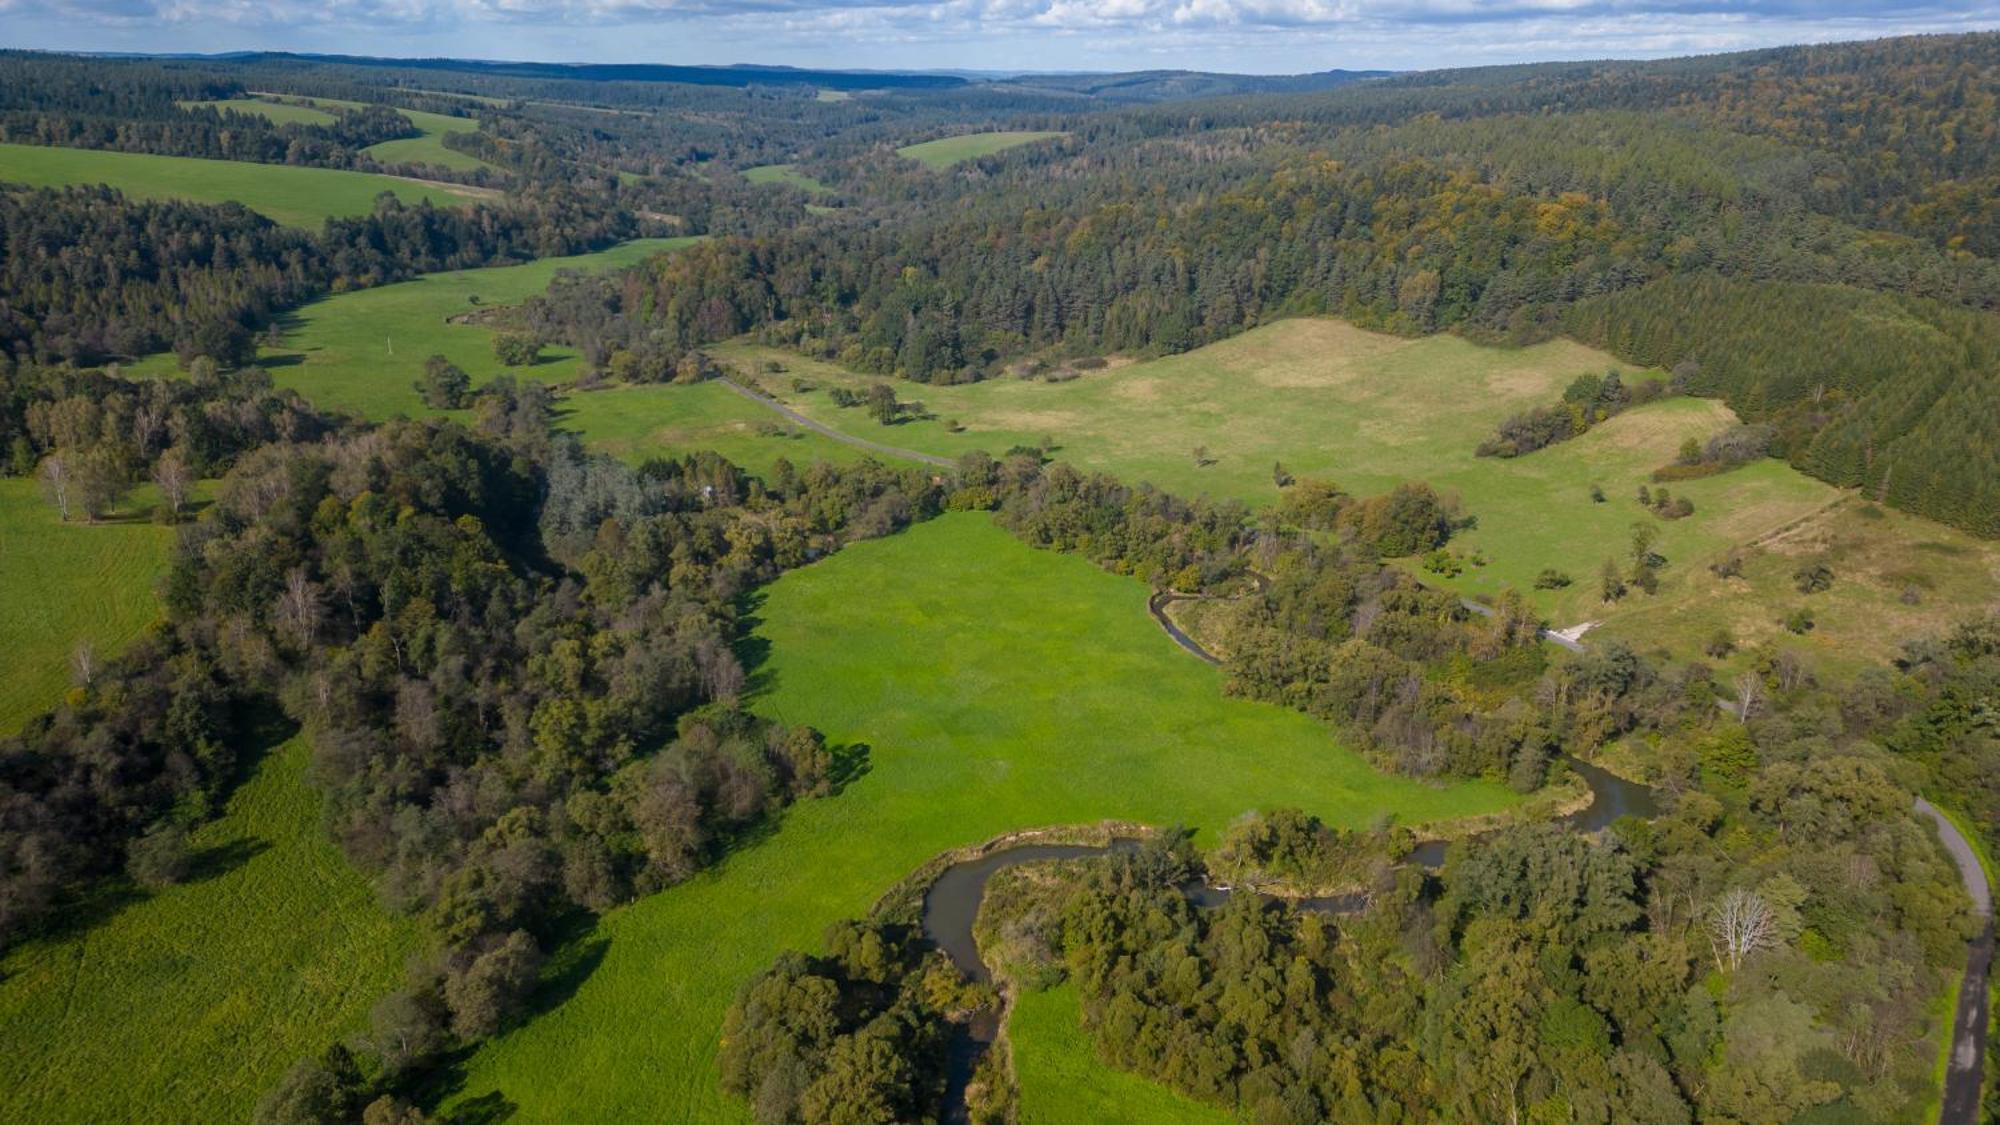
{"points": [[638, 422], [362, 352], [427, 149], [1368, 411], [998, 687], [1063, 1082], [785, 174], [947, 151], [61, 583], [300, 197], [279, 112], [187, 1005]]}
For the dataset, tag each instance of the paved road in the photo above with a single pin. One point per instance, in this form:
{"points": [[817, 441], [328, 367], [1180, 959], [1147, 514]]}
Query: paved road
{"points": [[1968, 1029], [788, 413]]}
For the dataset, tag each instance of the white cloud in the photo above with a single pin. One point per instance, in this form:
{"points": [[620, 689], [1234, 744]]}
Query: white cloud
{"points": [[1248, 35]]}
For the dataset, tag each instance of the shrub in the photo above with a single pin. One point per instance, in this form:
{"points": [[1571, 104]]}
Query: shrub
{"points": [[516, 349], [1551, 579], [1813, 578]]}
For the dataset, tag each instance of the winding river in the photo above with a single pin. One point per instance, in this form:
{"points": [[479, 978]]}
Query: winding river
{"points": [[951, 904]]}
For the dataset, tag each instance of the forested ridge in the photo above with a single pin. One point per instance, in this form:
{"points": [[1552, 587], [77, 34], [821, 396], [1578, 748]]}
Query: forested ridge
{"points": [[1505, 205]]}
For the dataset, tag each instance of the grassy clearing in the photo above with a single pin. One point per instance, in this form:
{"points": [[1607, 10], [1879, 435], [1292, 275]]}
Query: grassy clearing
{"points": [[188, 1004], [947, 151], [997, 687], [787, 174], [426, 149], [1367, 410], [61, 583], [300, 197], [635, 423], [278, 112], [362, 352], [1062, 1082]]}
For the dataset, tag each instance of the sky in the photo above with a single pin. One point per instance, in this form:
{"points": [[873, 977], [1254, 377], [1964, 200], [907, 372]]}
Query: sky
{"points": [[1245, 36]]}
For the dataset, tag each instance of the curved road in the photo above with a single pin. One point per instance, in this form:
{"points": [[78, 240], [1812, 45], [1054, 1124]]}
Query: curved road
{"points": [[786, 412], [1968, 1029]]}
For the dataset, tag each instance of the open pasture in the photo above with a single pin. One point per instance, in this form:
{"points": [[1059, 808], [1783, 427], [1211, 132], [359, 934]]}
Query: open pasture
{"points": [[187, 1004], [295, 196], [362, 352], [1365, 410], [994, 687], [62, 584], [948, 151], [786, 174]]}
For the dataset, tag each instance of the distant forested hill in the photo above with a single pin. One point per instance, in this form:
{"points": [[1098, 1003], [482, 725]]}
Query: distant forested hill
{"points": [[1813, 227]]}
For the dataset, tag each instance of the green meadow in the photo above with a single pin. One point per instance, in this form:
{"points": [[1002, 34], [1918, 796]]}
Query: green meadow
{"points": [[947, 151], [279, 112], [426, 149], [186, 1005], [1062, 1081], [64, 583], [786, 174], [1368, 411], [634, 423], [300, 197], [362, 352], [995, 687]]}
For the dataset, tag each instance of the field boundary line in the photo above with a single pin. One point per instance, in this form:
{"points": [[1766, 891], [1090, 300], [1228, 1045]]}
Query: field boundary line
{"points": [[823, 429]]}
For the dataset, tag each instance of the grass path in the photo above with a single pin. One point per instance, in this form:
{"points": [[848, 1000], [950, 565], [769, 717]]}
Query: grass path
{"points": [[295, 196], [997, 687], [187, 1005], [61, 583]]}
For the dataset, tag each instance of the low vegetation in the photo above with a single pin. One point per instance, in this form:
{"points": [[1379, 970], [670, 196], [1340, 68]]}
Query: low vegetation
{"points": [[948, 151], [299, 197]]}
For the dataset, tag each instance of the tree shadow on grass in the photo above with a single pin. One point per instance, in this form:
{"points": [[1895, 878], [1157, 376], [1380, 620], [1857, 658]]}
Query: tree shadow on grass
{"points": [[753, 651], [220, 860], [579, 950], [850, 764]]}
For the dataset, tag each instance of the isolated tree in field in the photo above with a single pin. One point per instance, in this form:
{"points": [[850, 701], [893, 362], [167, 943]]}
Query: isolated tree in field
{"points": [[1200, 456], [57, 481], [1720, 644], [98, 480], [1611, 581], [882, 404], [1690, 453], [1281, 476], [1799, 621], [1740, 923], [445, 385], [516, 349], [175, 479], [1597, 494], [1644, 535]]}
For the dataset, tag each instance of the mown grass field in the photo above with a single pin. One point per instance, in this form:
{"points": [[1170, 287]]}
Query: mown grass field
{"points": [[63, 583], [785, 174], [300, 197], [279, 112], [1368, 411], [362, 352], [1063, 1082], [427, 149], [996, 687], [947, 151], [188, 1004], [635, 423]]}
